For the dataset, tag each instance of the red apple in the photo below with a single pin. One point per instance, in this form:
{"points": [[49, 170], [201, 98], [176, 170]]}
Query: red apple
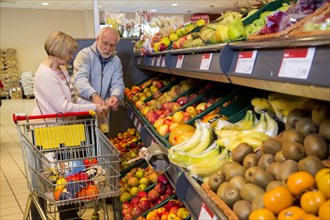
{"points": [[144, 204], [156, 95], [161, 188], [128, 216], [162, 47], [142, 194], [139, 104], [162, 179], [169, 191], [159, 84], [168, 121], [160, 111], [127, 211], [158, 201], [137, 211], [153, 195], [165, 215], [134, 201], [161, 211], [192, 96], [174, 209], [182, 100]]}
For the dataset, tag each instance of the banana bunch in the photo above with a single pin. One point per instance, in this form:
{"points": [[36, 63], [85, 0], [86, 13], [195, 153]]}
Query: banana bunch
{"points": [[206, 168], [230, 136], [246, 123], [196, 148]]}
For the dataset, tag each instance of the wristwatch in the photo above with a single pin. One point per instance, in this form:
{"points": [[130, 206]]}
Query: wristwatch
{"points": [[93, 94]]}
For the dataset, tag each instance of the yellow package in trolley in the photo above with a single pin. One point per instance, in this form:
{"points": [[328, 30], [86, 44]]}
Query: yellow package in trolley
{"points": [[51, 137]]}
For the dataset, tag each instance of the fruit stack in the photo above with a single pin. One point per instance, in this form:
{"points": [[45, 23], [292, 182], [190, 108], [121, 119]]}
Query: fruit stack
{"points": [[287, 178]]}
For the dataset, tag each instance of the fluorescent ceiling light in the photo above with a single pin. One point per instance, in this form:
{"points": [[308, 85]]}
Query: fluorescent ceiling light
{"points": [[174, 4], [44, 3], [153, 10], [100, 6]]}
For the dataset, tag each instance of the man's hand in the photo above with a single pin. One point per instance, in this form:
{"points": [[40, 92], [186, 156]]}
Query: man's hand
{"points": [[98, 100], [113, 103]]}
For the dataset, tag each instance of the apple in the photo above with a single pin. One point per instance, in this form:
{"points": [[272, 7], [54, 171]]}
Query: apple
{"points": [[128, 216], [158, 123], [163, 130], [174, 209], [192, 97], [153, 195], [145, 110], [200, 107], [153, 89], [208, 104], [158, 84], [144, 204], [127, 211], [134, 201], [137, 211], [166, 41], [160, 211], [173, 37], [142, 187], [186, 119], [175, 45], [160, 188], [171, 216], [162, 46], [156, 95], [178, 117], [165, 215], [139, 104], [185, 214], [162, 179], [173, 125], [182, 100], [192, 111], [160, 111]]}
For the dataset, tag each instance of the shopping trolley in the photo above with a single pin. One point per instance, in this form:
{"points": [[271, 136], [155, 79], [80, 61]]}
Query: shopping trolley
{"points": [[67, 160]]}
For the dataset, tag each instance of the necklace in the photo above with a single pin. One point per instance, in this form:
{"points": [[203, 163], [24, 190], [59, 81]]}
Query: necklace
{"points": [[62, 76]]}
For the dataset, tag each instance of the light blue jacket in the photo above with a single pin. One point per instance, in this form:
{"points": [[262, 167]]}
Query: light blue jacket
{"points": [[89, 78]]}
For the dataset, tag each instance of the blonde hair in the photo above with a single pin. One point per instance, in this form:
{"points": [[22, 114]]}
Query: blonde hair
{"points": [[60, 45], [113, 31]]}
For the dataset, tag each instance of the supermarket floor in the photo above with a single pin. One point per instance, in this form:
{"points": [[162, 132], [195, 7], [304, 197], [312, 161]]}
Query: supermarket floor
{"points": [[14, 191]]}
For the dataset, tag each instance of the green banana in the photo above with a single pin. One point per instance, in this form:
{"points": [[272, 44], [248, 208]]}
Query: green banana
{"points": [[184, 159], [206, 168], [205, 141], [272, 126], [192, 142]]}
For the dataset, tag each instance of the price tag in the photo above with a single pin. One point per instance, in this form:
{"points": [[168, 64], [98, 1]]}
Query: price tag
{"points": [[296, 63], [206, 61], [153, 61], [139, 126], [179, 62], [206, 213], [159, 60], [139, 61], [163, 62], [136, 122], [245, 62]]}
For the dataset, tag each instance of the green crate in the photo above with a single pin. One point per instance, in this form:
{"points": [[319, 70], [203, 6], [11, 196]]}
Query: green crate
{"points": [[272, 6]]}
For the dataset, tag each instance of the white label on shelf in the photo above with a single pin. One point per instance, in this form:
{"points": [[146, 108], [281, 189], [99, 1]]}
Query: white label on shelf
{"points": [[179, 62], [153, 61], [159, 60], [206, 213], [135, 122], [245, 62], [163, 61], [139, 126], [206, 61], [139, 62], [296, 63]]}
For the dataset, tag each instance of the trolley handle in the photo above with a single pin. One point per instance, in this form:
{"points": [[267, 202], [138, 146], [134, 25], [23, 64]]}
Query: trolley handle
{"points": [[22, 116]]}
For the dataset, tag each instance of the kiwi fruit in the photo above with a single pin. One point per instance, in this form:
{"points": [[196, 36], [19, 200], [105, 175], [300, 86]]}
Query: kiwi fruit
{"points": [[279, 157], [251, 160], [240, 152], [249, 173], [215, 181], [320, 113], [231, 196], [250, 191], [238, 182], [227, 165], [273, 169], [261, 178], [310, 164], [222, 189], [257, 202], [238, 170], [316, 145], [265, 160], [292, 135], [273, 184], [293, 150], [242, 209], [306, 126], [271, 146], [286, 168], [324, 129], [294, 115]]}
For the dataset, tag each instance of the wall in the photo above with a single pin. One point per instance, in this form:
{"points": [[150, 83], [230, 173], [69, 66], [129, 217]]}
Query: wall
{"points": [[27, 29]]}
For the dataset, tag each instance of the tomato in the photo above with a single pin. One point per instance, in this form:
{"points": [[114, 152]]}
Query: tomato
{"points": [[323, 182], [262, 214], [89, 162], [299, 182], [324, 210], [291, 213], [277, 199], [311, 201]]}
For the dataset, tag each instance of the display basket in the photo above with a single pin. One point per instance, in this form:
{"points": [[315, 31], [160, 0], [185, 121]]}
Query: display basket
{"points": [[300, 32], [221, 204], [67, 160], [290, 30]]}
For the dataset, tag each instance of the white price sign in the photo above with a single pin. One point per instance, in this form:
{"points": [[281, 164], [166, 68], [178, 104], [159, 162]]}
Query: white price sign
{"points": [[245, 62], [206, 213], [206, 61], [139, 126], [139, 62], [163, 61], [153, 61], [136, 121], [158, 60], [296, 63], [179, 62]]}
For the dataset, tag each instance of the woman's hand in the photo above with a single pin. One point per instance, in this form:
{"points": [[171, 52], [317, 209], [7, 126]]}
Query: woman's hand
{"points": [[101, 108]]}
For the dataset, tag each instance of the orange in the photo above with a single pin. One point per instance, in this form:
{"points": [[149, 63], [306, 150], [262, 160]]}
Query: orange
{"points": [[299, 182], [324, 210], [278, 199], [262, 214], [291, 213]]}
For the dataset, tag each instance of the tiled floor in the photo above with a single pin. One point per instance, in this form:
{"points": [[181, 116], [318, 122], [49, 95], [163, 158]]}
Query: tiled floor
{"points": [[14, 191]]}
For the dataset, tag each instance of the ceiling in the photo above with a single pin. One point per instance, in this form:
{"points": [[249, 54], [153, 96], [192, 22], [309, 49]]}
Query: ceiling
{"points": [[127, 6]]}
